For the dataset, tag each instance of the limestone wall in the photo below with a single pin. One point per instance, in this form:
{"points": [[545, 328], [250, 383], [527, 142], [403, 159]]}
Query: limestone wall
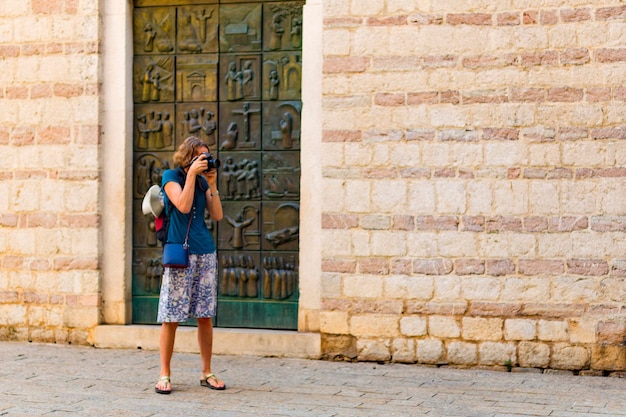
{"points": [[49, 187], [474, 182]]}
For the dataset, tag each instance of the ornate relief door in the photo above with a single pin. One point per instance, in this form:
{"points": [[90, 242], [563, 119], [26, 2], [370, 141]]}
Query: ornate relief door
{"points": [[230, 73]]}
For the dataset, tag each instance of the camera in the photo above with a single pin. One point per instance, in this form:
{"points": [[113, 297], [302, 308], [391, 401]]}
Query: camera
{"points": [[213, 163]]}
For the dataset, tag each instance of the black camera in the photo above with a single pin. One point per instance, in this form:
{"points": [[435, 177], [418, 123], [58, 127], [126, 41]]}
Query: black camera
{"points": [[212, 161]]}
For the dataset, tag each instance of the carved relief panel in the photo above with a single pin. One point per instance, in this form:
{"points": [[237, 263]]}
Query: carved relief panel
{"points": [[230, 73]]}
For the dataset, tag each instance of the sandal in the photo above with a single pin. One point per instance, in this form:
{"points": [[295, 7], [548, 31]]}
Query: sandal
{"points": [[165, 380], [205, 382]]}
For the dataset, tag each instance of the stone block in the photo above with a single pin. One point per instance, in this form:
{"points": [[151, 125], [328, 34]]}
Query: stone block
{"points": [[413, 326], [373, 349], [409, 287], [430, 351], [552, 330], [482, 329], [444, 327], [462, 353], [403, 350], [374, 325], [363, 286], [493, 353], [533, 355], [608, 358], [520, 329], [334, 322], [565, 356]]}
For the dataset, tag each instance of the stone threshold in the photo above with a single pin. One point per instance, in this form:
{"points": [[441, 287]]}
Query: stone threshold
{"points": [[226, 341]]}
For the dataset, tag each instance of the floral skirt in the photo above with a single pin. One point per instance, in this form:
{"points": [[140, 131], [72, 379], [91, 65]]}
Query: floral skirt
{"points": [[189, 292]]}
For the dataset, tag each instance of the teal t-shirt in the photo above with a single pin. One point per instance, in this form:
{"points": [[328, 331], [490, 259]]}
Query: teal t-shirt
{"points": [[200, 239]]}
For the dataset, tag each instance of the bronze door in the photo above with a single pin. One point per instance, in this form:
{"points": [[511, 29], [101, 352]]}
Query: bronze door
{"points": [[230, 73]]}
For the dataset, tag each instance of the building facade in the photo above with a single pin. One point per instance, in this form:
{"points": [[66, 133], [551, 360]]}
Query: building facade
{"points": [[462, 180]]}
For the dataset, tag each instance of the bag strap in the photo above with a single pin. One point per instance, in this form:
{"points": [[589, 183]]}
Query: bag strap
{"points": [[191, 216]]}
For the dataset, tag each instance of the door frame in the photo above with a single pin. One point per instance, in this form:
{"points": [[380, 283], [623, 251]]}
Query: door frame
{"points": [[116, 165]]}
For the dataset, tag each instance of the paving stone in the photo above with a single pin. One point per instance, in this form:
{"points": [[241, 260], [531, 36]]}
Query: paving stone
{"points": [[64, 380]]}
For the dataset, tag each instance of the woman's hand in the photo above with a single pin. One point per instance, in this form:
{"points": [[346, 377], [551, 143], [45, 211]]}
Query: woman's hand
{"points": [[198, 165], [211, 178]]}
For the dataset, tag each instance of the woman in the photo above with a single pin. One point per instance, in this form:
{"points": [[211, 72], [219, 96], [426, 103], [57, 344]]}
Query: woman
{"points": [[190, 292]]}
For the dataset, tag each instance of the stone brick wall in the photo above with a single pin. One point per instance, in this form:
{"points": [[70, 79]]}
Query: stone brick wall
{"points": [[49, 177], [474, 182]]}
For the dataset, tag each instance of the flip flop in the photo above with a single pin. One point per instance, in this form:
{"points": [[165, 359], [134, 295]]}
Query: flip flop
{"points": [[165, 379], [205, 382]]}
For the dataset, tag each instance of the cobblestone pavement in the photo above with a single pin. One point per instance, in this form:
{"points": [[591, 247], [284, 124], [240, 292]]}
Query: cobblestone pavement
{"points": [[40, 379]]}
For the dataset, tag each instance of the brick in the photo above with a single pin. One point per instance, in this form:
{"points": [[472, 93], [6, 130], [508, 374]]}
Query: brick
{"points": [[339, 265], [565, 94], [343, 21], [342, 136], [473, 223], [568, 223], [607, 13], [572, 133], [401, 266], [53, 135], [552, 310], [17, 93], [588, 267], [339, 221], [432, 266], [508, 19], [549, 17], [485, 309], [441, 308], [540, 267], [10, 51], [440, 61], [530, 17], [426, 19], [535, 224], [377, 266], [388, 99], [575, 56], [599, 94], [345, 65], [428, 97], [501, 134], [606, 55], [532, 95], [612, 331], [480, 19], [503, 224], [575, 15], [419, 134], [469, 266], [449, 97], [399, 20], [403, 222], [544, 58], [47, 6], [499, 267], [67, 90]]}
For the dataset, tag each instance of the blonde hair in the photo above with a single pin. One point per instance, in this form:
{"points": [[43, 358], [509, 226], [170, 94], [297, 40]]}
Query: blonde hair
{"points": [[186, 151]]}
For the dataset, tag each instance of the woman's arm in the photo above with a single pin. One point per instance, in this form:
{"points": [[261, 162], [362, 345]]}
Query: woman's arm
{"points": [[182, 198], [213, 201]]}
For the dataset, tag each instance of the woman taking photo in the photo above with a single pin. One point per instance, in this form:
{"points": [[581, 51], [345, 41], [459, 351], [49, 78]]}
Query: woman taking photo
{"points": [[190, 292]]}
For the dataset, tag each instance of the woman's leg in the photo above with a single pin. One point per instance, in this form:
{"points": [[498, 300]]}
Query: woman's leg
{"points": [[205, 342], [166, 349]]}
